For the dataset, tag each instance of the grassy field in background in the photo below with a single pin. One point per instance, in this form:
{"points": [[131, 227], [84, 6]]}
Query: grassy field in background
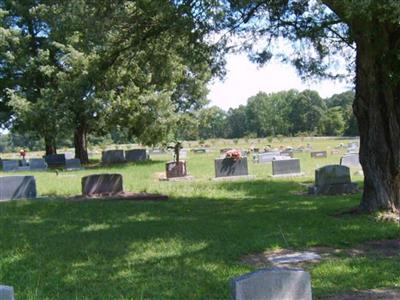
{"points": [[190, 246]]}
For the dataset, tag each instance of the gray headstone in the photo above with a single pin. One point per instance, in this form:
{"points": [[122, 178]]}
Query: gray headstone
{"points": [[332, 174], [99, 184], [6, 292], [286, 166], [136, 155], [55, 160], [266, 157], [183, 153], [69, 155], [225, 167], [112, 156], [288, 153], [10, 165], [17, 187], [333, 180], [157, 151], [350, 160], [73, 164], [37, 164], [319, 154], [273, 284]]}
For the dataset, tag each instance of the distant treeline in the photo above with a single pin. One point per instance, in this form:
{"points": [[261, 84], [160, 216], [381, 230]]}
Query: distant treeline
{"points": [[286, 113]]}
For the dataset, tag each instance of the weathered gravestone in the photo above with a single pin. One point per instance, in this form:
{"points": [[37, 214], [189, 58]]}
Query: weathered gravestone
{"points": [[136, 155], [17, 187], [55, 160], [286, 167], [6, 292], [333, 180], [102, 184], [319, 154], [226, 167], [265, 157], [112, 156], [350, 160], [273, 284], [73, 164], [37, 164], [10, 165], [174, 169]]}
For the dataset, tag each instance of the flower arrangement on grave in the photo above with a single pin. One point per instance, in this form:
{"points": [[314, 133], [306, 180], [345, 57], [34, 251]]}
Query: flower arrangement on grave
{"points": [[233, 154]]}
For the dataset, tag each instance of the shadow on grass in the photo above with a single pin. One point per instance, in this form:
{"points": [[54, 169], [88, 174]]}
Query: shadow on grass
{"points": [[185, 248], [123, 165]]}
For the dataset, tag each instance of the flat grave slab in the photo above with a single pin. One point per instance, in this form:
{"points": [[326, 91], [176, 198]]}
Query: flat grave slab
{"points": [[273, 284], [17, 187]]}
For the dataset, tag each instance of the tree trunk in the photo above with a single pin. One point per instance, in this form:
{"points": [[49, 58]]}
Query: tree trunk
{"points": [[377, 108], [80, 143], [50, 145]]}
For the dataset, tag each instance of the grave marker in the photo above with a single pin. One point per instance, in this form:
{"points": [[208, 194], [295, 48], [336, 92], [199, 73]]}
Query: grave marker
{"points": [[273, 284], [227, 167], [6, 292], [286, 167], [319, 154], [55, 160], [17, 187], [10, 165], [350, 160], [136, 155], [333, 180], [102, 184], [73, 164], [37, 164], [112, 156]]}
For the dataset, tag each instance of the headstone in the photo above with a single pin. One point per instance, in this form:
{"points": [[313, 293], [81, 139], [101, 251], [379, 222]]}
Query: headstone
{"points": [[6, 292], [17, 187], [69, 155], [273, 284], [73, 164], [333, 180], [100, 184], [286, 167], [183, 154], [136, 155], [350, 160], [10, 165], [156, 151], [225, 167], [319, 154], [266, 157], [176, 170], [37, 164], [199, 150], [286, 153], [112, 156], [55, 160]]}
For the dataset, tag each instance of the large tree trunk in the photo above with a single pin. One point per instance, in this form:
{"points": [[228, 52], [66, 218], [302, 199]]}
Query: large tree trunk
{"points": [[80, 143], [50, 145], [377, 108]]}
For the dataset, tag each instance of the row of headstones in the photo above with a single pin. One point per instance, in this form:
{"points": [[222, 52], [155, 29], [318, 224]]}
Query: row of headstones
{"points": [[38, 164], [121, 156], [24, 187]]}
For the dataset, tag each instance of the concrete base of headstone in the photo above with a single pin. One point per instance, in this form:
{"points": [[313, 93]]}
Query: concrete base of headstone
{"points": [[232, 178], [17, 187], [334, 189], [102, 184], [288, 175], [273, 284], [178, 179], [6, 292]]}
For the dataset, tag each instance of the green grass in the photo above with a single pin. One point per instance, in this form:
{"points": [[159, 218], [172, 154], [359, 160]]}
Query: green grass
{"points": [[186, 248]]}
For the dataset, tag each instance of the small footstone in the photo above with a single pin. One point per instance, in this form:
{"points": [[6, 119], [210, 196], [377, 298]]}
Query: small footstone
{"points": [[6, 292], [273, 284]]}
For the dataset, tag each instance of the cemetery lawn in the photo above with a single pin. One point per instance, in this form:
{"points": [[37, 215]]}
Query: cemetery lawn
{"points": [[188, 247]]}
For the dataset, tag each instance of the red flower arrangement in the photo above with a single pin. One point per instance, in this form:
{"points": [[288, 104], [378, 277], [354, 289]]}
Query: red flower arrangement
{"points": [[233, 154]]}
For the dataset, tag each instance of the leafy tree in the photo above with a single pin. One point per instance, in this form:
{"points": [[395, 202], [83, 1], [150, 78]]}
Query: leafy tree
{"points": [[332, 122], [236, 123], [366, 35], [212, 123]]}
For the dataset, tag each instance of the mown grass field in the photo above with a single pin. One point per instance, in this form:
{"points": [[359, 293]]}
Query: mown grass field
{"points": [[190, 246]]}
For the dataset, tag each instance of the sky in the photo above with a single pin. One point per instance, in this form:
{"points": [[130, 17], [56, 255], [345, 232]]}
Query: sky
{"points": [[245, 79]]}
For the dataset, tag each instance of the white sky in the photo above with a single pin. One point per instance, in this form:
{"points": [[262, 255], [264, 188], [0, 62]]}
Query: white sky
{"points": [[245, 79]]}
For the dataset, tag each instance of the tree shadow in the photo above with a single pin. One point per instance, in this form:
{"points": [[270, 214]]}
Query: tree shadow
{"points": [[184, 248]]}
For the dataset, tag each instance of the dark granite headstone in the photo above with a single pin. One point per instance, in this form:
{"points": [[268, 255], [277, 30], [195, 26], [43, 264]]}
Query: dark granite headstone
{"points": [[333, 180], [6, 292], [10, 165], [102, 184], [173, 169], [73, 164], [273, 284], [286, 167], [136, 155], [319, 154], [17, 187], [112, 156], [37, 164], [55, 160], [225, 167]]}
